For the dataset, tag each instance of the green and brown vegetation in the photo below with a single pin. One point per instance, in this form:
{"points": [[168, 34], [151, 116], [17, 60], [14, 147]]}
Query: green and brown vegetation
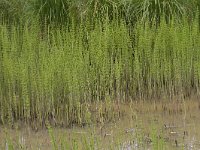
{"points": [[66, 62], [59, 72]]}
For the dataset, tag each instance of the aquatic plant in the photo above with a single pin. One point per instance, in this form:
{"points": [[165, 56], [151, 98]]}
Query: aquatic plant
{"points": [[55, 75]]}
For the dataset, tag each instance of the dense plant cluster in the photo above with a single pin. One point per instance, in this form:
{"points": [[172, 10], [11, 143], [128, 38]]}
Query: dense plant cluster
{"points": [[74, 54], [59, 71], [61, 11]]}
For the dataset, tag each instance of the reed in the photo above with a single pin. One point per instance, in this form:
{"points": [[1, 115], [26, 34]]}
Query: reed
{"points": [[57, 73]]}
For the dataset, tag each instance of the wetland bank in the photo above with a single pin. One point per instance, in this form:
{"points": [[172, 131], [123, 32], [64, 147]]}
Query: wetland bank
{"points": [[145, 125], [99, 74]]}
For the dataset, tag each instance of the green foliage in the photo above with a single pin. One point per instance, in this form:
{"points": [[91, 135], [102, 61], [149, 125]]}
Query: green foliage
{"points": [[154, 9], [16, 10], [62, 12], [157, 139], [53, 75], [52, 10]]}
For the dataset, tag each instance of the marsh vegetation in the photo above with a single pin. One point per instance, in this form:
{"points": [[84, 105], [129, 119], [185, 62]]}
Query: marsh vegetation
{"points": [[156, 126], [66, 64]]}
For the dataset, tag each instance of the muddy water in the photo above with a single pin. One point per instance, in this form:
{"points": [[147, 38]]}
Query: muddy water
{"points": [[146, 125]]}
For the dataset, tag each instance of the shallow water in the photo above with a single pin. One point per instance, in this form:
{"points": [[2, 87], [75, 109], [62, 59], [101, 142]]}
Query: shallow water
{"points": [[146, 125]]}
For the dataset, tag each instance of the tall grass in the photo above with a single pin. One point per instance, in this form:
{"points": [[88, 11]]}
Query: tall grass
{"points": [[16, 10], [61, 11], [55, 75]]}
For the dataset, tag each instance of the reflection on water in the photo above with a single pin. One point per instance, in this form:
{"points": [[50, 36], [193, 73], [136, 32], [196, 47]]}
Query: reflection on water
{"points": [[166, 125]]}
